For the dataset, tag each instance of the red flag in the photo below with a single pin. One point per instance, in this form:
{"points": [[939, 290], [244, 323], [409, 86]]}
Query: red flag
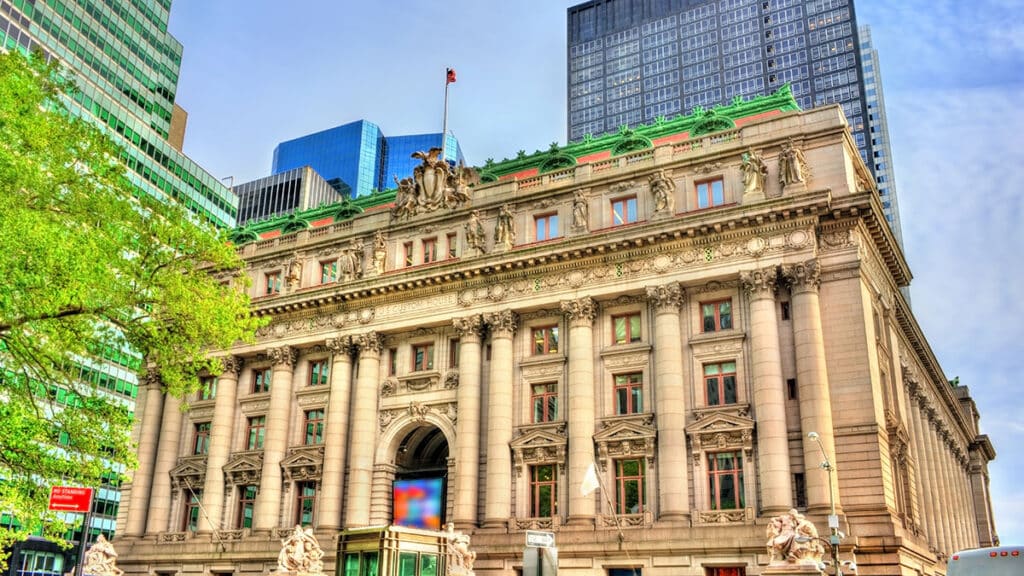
{"points": [[451, 76]]}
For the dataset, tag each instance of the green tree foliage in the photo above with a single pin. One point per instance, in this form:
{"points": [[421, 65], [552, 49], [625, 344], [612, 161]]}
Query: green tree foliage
{"points": [[89, 266]]}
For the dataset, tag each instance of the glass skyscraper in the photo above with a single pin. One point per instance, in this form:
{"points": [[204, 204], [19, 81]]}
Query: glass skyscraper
{"points": [[126, 65], [878, 130], [356, 158]]}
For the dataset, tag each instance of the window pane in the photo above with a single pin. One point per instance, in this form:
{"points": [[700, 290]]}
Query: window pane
{"points": [[730, 389], [407, 564], [428, 565], [634, 328], [620, 330], [725, 311], [638, 404], [552, 408], [708, 311], [718, 193], [712, 386]]}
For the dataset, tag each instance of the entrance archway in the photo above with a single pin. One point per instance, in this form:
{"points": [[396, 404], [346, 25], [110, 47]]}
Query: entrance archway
{"points": [[416, 477]]}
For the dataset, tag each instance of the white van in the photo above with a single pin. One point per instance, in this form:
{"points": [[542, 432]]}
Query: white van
{"points": [[1001, 561]]}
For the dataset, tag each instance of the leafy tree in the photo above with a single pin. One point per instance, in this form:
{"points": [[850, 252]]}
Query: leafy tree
{"points": [[89, 268]]}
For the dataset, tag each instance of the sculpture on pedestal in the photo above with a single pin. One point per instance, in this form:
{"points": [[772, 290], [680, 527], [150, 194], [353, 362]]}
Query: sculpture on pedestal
{"points": [[101, 559], [792, 538], [300, 553], [434, 184], [460, 557]]}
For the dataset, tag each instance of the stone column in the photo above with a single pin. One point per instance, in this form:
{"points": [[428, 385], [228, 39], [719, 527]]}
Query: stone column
{"points": [[166, 459], [267, 509], [924, 493], [769, 393], [673, 484], [467, 427], [581, 405], [149, 435], [812, 379], [336, 434], [934, 454], [363, 431], [220, 444], [498, 507]]}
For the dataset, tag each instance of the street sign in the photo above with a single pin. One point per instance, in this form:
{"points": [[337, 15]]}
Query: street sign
{"points": [[537, 539], [70, 499]]}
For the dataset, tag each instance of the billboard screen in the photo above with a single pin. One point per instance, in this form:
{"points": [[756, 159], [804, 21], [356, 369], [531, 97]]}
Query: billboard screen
{"points": [[418, 502]]}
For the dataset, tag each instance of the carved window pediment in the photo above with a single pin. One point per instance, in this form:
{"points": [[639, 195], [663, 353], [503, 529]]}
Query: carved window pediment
{"points": [[303, 463], [189, 473], [722, 428], [539, 444], [631, 436], [244, 467]]}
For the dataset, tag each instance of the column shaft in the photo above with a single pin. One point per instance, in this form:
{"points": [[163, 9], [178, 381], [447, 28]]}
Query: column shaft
{"points": [[267, 509], [363, 431], [336, 434], [467, 427], [498, 507], [580, 401], [149, 436], [166, 458], [220, 445], [673, 484], [925, 493]]}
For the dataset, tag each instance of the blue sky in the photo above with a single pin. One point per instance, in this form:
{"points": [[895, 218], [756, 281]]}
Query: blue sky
{"points": [[258, 72]]}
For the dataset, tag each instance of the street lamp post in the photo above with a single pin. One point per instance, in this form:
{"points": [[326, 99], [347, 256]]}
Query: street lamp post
{"points": [[833, 519]]}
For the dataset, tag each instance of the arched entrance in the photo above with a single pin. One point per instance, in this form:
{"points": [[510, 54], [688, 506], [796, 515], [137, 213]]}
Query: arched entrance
{"points": [[419, 475]]}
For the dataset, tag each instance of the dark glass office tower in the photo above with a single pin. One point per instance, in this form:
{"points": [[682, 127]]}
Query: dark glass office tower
{"points": [[126, 64], [631, 61]]}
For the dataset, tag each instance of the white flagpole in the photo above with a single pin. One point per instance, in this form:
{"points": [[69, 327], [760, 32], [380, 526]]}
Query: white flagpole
{"points": [[444, 125]]}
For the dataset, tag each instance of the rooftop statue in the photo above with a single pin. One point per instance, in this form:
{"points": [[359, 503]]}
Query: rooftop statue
{"points": [[434, 184]]}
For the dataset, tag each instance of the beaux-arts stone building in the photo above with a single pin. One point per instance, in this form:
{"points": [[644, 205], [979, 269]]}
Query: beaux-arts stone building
{"points": [[681, 305]]}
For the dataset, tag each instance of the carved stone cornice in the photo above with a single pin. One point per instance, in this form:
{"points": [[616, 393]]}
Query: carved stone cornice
{"points": [[370, 343], [539, 444], [502, 323], [803, 276], [283, 356], [342, 345], [244, 468], [667, 297], [470, 327], [631, 436], [231, 365], [760, 283], [581, 311]]}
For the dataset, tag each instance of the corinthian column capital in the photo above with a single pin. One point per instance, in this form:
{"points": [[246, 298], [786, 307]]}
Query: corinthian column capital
{"points": [[760, 283], [667, 297], [502, 323], [231, 365], [469, 326], [283, 356], [803, 276], [370, 343], [152, 377], [580, 311], [341, 345]]}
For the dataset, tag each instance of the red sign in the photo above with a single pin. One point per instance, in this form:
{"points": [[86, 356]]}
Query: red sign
{"points": [[70, 499]]}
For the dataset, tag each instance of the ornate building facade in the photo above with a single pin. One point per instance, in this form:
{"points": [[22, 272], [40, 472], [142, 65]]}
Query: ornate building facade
{"points": [[677, 309]]}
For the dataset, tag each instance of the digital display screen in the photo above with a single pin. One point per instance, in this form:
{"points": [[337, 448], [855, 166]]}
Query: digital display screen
{"points": [[418, 502]]}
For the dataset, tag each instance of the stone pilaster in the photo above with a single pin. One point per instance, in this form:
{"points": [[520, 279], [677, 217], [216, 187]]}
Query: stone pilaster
{"points": [[769, 396], [498, 506], [336, 433], [220, 444], [149, 435], [673, 483], [467, 427], [581, 405], [812, 378], [268, 502], [158, 519], [364, 432]]}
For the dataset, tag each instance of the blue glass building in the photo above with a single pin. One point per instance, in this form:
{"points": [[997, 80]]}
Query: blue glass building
{"points": [[356, 158]]}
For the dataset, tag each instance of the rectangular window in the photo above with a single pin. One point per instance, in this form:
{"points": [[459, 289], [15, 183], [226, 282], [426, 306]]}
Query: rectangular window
{"points": [[273, 283], [624, 211], [429, 250], [195, 497], [543, 491], [725, 571], [207, 387], [544, 399], [319, 372], [453, 245], [545, 340], [392, 361], [717, 315], [261, 380], [423, 357], [328, 271], [201, 444], [630, 497], [255, 429], [629, 393], [314, 427], [791, 388], [784, 310], [799, 490], [453, 353], [305, 503], [626, 328], [710, 193], [246, 506], [725, 480], [720, 383], [546, 227], [407, 249]]}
